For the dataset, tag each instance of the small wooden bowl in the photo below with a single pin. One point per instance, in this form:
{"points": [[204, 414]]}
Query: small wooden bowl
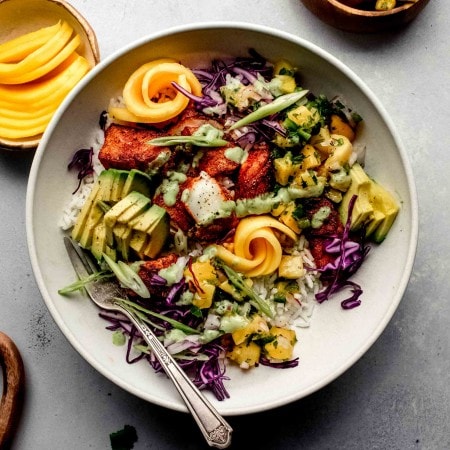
{"points": [[348, 18], [18, 17]]}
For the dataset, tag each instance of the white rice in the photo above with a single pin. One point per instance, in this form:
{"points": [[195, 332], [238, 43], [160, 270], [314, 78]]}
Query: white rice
{"points": [[298, 309], [77, 200]]}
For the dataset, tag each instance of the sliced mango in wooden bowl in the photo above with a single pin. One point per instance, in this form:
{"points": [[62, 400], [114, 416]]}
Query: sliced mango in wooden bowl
{"points": [[46, 48]]}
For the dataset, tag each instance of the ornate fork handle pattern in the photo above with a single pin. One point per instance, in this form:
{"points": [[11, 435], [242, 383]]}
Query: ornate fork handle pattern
{"points": [[215, 429]]}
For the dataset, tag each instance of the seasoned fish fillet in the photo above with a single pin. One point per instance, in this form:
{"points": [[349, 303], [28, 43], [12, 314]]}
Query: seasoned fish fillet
{"points": [[127, 148], [215, 163], [178, 213], [317, 237], [255, 175]]}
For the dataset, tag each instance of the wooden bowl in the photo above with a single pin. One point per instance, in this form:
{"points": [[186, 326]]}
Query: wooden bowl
{"points": [[18, 17], [348, 18]]}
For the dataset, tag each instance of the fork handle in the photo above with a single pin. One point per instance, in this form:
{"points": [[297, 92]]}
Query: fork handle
{"points": [[215, 429]]}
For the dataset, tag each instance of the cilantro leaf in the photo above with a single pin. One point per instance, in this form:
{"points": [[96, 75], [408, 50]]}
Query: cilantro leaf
{"points": [[123, 439]]}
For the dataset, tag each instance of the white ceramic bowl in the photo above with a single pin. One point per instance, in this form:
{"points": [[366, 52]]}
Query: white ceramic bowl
{"points": [[336, 338]]}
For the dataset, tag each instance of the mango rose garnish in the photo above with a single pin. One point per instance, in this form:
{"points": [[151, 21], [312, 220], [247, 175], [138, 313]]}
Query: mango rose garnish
{"points": [[37, 70], [149, 95], [256, 249]]}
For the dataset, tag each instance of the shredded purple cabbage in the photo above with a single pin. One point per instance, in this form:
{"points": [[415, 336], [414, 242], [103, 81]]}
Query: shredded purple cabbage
{"points": [[213, 78], [350, 255], [82, 161], [207, 373], [248, 69]]}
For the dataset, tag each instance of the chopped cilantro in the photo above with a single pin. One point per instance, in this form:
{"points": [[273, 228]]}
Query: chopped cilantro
{"points": [[196, 311], [123, 439], [299, 212]]}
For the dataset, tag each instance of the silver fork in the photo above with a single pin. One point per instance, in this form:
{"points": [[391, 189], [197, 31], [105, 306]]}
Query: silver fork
{"points": [[215, 429]]}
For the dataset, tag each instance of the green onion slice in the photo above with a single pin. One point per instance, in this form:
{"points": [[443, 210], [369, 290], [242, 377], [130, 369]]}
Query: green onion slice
{"points": [[127, 276], [280, 103], [238, 282], [205, 136]]}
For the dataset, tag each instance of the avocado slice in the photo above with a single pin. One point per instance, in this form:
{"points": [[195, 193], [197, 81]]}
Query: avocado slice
{"points": [[111, 252], [122, 235], [151, 230], [385, 203], [138, 242], [98, 246], [126, 209], [375, 207], [83, 215], [120, 177], [138, 181], [101, 191], [106, 184], [140, 205], [362, 209], [376, 220], [123, 211], [95, 217], [158, 236], [149, 219]]}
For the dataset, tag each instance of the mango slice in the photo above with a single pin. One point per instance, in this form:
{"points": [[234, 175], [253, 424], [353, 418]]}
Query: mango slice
{"points": [[39, 57], [257, 250], [20, 47], [149, 95], [37, 70]]}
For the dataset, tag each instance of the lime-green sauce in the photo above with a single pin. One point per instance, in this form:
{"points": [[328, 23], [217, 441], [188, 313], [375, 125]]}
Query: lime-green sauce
{"points": [[319, 217], [171, 186], [236, 154]]}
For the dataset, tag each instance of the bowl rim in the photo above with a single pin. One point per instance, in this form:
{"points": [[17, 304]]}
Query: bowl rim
{"points": [[32, 143], [412, 247]]}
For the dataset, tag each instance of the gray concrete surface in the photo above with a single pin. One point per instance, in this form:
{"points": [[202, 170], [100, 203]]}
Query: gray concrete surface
{"points": [[397, 396]]}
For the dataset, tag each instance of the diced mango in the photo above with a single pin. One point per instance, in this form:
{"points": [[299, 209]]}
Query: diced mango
{"points": [[291, 267], [342, 150], [304, 117], [258, 326], [305, 178], [246, 354], [278, 210], [282, 346], [203, 276], [322, 141], [282, 66], [339, 126], [311, 157], [284, 169], [287, 217], [288, 83]]}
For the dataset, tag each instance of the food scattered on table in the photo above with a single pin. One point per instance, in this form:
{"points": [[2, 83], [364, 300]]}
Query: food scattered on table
{"points": [[123, 439]]}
